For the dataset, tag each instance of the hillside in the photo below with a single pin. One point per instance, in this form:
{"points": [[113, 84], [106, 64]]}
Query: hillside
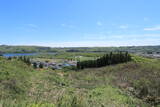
{"points": [[130, 84], [32, 49], [25, 49]]}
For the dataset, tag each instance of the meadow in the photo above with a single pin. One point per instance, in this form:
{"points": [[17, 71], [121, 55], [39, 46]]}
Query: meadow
{"points": [[131, 84]]}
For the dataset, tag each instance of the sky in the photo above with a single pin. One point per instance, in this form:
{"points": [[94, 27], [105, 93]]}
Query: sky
{"points": [[80, 23]]}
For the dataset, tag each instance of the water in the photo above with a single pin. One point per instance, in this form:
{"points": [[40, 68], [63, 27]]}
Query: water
{"points": [[18, 54], [24, 54]]}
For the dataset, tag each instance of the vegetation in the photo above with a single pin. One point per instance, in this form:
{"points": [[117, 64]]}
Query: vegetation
{"points": [[107, 59], [25, 49], [14, 78], [131, 84], [40, 49]]}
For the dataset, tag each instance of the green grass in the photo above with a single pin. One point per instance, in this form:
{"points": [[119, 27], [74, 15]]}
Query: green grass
{"points": [[143, 59], [111, 86], [61, 56], [110, 96], [14, 78]]}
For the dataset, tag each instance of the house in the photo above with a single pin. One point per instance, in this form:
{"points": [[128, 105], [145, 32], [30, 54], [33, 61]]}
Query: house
{"points": [[56, 67], [53, 65]]}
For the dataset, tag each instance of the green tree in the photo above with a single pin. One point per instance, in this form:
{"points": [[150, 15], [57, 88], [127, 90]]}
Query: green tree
{"points": [[35, 65], [41, 65]]}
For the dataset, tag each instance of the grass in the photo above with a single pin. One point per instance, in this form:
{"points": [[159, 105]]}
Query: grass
{"points": [[121, 85], [61, 56], [14, 78], [67, 55]]}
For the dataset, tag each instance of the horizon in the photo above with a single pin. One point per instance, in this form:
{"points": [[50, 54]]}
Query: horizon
{"points": [[80, 23], [80, 47]]}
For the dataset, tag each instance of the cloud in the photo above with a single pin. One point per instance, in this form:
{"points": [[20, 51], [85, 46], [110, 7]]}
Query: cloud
{"points": [[32, 25], [126, 37], [156, 28], [123, 26], [135, 36], [67, 25], [63, 25], [99, 23], [97, 36], [131, 42], [100, 40]]}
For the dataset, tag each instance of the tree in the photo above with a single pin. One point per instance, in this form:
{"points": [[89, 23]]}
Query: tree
{"points": [[28, 61], [1, 54], [9, 58], [41, 65], [35, 65], [78, 65], [107, 59]]}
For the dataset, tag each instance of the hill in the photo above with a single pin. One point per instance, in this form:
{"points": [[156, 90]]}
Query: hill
{"points": [[130, 84], [25, 49], [32, 49]]}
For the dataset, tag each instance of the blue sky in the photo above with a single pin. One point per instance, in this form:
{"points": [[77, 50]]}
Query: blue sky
{"points": [[66, 23]]}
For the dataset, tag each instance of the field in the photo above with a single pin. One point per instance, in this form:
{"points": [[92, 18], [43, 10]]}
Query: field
{"points": [[131, 84]]}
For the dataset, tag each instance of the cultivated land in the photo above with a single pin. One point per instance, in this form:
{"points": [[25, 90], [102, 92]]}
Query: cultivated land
{"points": [[132, 84]]}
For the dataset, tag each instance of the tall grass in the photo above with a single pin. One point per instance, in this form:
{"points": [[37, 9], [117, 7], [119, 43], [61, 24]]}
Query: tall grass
{"points": [[113, 86]]}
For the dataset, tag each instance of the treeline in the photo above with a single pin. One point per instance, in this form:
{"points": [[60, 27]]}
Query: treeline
{"points": [[107, 59], [26, 49], [25, 59], [28, 61]]}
